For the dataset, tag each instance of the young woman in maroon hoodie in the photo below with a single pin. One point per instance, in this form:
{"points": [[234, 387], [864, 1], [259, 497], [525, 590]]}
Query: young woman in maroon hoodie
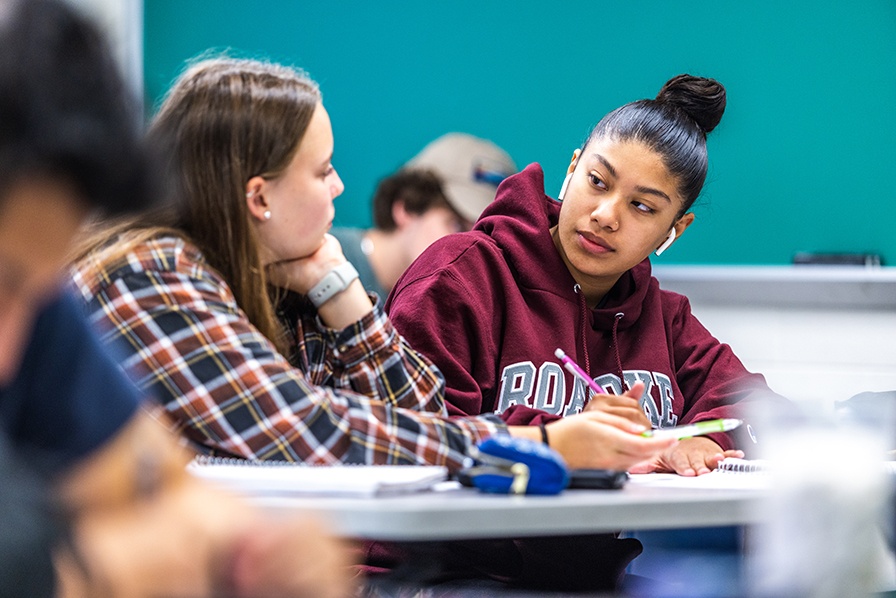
{"points": [[490, 307]]}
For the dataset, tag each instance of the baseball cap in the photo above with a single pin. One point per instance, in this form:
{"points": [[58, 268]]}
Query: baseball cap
{"points": [[470, 169]]}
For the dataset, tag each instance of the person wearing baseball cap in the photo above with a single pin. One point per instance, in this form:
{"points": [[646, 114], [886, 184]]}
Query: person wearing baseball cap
{"points": [[441, 190]]}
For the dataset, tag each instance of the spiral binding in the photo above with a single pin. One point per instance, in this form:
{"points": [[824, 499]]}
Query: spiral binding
{"points": [[733, 465], [200, 460]]}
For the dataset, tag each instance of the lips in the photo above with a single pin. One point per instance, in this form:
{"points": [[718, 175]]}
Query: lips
{"points": [[592, 243]]}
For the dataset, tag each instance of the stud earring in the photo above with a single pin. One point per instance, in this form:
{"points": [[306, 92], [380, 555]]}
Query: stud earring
{"points": [[267, 214]]}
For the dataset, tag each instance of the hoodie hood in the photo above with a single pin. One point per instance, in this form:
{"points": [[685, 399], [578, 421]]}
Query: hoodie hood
{"points": [[522, 210]]}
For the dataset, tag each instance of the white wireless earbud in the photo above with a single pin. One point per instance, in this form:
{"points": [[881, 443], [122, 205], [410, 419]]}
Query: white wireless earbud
{"points": [[667, 242], [564, 186]]}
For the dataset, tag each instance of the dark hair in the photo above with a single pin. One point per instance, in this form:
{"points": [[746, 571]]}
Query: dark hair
{"points": [[674, 125], [419, 189], [65, 110]]}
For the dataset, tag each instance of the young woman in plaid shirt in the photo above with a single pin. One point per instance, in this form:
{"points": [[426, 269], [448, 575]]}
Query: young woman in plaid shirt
{"points": [[236, 309]]}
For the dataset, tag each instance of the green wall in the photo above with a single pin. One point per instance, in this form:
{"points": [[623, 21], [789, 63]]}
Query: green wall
{"points": [[803, 160]]}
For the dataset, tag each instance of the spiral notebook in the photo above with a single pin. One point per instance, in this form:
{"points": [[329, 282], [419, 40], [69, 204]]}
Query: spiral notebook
{"points": [[291, 479], [732, 473]]}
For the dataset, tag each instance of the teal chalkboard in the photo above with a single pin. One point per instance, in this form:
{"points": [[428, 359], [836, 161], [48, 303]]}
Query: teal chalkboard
{"points": [[804, 159]]}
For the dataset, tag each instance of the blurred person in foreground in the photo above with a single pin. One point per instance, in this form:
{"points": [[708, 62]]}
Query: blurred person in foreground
{"points": [[442, 190], [95, 499]]}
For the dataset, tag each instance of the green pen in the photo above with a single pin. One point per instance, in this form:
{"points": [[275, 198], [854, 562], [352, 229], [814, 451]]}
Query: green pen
{"points": [[696, 429]]}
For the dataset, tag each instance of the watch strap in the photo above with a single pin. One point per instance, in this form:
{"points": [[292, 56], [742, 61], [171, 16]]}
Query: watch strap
{"points": [[335, 281]]}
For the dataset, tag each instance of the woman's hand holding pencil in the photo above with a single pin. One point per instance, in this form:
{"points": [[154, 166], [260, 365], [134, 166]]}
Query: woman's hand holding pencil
{"points": [[626, 405], [695, 455]]}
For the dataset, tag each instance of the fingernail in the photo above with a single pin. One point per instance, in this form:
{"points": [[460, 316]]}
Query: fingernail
{"points": [[638, 428]]}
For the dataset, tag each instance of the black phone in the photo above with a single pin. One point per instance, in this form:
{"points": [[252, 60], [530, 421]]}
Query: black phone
{"points": [[463, 476], [603, 479]]}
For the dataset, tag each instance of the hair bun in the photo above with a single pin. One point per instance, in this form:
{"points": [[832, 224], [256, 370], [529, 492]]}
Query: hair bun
{"points": [[702, 99]]}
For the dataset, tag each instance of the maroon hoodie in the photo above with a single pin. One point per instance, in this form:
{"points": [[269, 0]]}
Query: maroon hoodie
{"points": [[490, 307]]}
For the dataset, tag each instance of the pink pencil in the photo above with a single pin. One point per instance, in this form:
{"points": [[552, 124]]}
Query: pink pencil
{"points": [[578, 372]]}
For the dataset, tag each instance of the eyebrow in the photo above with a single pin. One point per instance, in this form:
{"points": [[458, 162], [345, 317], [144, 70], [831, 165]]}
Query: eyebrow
{"points": [[606, 164], [639, 188]]}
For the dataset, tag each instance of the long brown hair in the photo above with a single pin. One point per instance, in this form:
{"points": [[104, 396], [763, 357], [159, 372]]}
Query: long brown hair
{"points": [[224, 121]]}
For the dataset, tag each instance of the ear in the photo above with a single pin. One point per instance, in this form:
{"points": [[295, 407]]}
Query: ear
{"points": [[400, 216], [255, 201], [683, 223], [574, 161]]}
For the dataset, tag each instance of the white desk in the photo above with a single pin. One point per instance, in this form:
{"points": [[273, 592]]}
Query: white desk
{"points": [[465, 513]]}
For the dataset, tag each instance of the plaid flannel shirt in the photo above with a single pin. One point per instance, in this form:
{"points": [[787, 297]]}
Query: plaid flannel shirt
{"points": [[359, 395]]}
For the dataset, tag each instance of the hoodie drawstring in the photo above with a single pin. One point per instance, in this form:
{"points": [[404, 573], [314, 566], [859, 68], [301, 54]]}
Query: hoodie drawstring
{"points": [[618, 317], [583, 309]]}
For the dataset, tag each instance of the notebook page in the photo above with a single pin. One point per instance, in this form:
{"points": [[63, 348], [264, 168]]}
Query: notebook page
{"points": [[274, 478]]}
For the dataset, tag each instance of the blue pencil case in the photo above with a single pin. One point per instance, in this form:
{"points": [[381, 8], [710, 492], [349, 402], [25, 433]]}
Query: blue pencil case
{"points": [[509, 465]]}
